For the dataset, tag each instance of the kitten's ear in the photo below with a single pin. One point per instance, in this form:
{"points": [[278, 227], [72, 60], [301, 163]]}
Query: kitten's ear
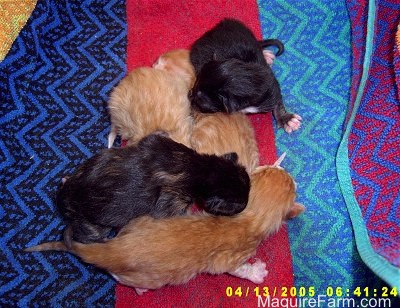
{"points": [[223, 98], [295, 210], [232, 156]]}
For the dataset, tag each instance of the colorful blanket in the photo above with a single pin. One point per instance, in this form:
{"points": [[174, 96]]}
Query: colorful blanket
{"points": [[146, 40], [315, 74], [54, 87], [368, 159]]}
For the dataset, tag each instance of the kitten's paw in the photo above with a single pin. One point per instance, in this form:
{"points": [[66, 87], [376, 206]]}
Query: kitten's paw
{"points": [[255, 272], [258, 272], [140, 291], [269, 56], [293, 124]]}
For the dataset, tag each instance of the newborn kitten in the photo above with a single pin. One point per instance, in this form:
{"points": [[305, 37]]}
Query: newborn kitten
{"points": [[218, 133], [156, 177], [149, 253], [232, 75], [149, 100], [177, 62], [214, 133]]}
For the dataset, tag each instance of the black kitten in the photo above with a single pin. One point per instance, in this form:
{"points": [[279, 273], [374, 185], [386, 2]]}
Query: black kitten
{"points": [[233, 75], [157, 177]]}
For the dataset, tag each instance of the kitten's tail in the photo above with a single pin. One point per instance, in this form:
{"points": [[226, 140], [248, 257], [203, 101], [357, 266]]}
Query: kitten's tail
{"points": [[60, 246], [98, 254], [273, 42], [90, 253]]}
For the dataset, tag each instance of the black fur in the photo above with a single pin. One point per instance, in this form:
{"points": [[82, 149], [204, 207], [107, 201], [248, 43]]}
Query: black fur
{"points": [[156, 177], [232, 74], [273, 42]]}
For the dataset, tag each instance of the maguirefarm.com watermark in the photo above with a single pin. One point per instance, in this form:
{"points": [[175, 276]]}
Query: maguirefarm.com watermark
{"points": [[323, 301]]}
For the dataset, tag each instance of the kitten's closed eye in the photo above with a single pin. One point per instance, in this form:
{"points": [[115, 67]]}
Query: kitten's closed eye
{"points": [[217, 206], [205, 102]]}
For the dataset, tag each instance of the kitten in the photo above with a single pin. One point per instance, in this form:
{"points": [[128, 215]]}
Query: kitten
{"points": [[214, 133], [149, 253], [177, 62], [150, 100], [218, 133], [232, 75], [156, 177]]}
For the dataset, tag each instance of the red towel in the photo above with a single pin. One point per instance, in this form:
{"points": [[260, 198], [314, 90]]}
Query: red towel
{"points": [[155, 27]]}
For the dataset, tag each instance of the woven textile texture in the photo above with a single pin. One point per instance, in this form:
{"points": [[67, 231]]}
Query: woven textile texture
{"points": [[340, 71], [368, 160], [153, 28], [315, 75], [54, 85]]}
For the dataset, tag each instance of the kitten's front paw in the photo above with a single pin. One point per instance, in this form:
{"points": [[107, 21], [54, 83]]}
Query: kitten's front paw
{"points": [[258, 272], [293, 124], [269, 56]]}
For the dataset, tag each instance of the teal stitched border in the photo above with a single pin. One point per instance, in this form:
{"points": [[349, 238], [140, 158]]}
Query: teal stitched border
{"points": [[379, 265]]}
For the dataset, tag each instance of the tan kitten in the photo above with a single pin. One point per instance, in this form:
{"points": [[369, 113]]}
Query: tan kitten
{"points": [[177, 61], [214, 133], [218, 133], [151, 100], [150, 253]]}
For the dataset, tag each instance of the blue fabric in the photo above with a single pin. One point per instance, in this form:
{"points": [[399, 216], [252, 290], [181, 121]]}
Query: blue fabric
{"points": [[54, 85], [314, 73]]}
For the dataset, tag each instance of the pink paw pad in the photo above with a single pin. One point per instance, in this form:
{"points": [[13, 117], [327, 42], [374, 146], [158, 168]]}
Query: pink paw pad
{"points": [[258, 272], [293, 124]]}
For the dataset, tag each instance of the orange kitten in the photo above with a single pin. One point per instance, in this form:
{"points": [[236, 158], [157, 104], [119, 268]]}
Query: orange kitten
{"points": [[149, 100], [214, 133], [177, 61], [218, 133], [150, 253]]}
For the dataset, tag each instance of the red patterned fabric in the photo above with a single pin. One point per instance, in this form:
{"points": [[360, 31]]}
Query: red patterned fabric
{"points": [[153, 28], [374, 140]]}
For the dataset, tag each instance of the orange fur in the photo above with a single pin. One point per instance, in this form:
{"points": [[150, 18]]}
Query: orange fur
{"points": [[150, 253], [219, 133], [216, 133], [149, 100], [177, 62]]}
